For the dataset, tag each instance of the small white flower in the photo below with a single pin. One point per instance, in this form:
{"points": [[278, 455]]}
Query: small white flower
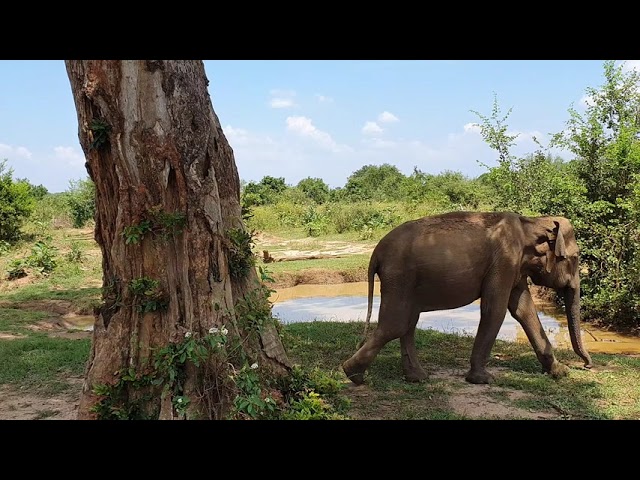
{"points": [[187, 335], [179, 400], [224, 331], [213, 330], [254, 366]]}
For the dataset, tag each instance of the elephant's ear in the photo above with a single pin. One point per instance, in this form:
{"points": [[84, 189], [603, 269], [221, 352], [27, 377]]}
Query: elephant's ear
{"points": [[560, 248], [557, 247]]}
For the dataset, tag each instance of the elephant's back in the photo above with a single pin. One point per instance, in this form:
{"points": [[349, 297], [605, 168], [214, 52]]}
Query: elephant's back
{"points": [[452, 250]]}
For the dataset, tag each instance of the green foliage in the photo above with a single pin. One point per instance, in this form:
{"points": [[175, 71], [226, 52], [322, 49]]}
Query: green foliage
{"points": [[135, 233], [81, 200], [315, 189], [156, 222], [253, 310], [312, 394], [606, 142], [314, 222], [114, 403], [52, 210], [75, 254], [597, 190], [264, 192], [100, 130], [149, 297], [373, 182], [17, 269], [241, 257], [166, 372], [42, 257], [36, 191], [16, 203], [4, 247], [250, 402]]}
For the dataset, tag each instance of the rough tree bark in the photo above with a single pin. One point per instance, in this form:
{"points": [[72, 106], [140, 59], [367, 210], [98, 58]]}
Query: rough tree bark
{"points": [[163, 170]]}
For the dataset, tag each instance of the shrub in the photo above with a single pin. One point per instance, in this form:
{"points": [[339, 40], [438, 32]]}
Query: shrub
{"points": [[81, 199], [16, 203]]}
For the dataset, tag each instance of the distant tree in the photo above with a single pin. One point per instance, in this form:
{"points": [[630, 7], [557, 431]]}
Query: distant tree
{"points": [[37, 191], [315, 189], [16, 203], [264, 192], [375, 182]]}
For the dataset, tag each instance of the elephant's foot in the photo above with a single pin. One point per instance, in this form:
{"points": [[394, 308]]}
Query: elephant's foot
{"points": [[414, 373], [558, 370], [354, 372], [479, 376]]}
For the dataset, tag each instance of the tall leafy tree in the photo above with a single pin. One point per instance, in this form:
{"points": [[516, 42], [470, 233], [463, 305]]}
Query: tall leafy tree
{"points": [[606, 145]]}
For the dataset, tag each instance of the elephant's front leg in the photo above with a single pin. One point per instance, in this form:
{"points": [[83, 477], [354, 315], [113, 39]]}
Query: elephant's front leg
{"points": [[493, 308], [411, 367], [523, 309]]}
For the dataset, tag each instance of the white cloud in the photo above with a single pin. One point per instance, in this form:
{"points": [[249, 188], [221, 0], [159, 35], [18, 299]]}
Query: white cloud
{"points": [[239, 137], [379, 143], [304, 127], [387, 117], [11, 151], [586, 100], [281, 103], [302, 150], [523, 137], [282, 98], [629, 65], [70, 155], [471, 128], [371, 128], [324, 98]]}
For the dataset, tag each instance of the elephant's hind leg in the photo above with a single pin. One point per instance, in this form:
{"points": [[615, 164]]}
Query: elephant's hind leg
{"points": [[411, 367], [357, 365], [393, 322]]}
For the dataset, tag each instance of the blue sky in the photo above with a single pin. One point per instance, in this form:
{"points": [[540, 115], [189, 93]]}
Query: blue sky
{"points": [[318, 118]]}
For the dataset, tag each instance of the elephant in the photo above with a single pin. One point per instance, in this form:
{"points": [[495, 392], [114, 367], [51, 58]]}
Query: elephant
{"points": [[450, 260]]}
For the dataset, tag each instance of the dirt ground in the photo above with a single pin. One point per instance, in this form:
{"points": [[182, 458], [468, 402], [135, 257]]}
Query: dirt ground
{"points": [[472, 401]]}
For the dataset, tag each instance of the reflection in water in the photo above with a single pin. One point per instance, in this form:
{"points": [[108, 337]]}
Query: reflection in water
{"points": [[348, 302]]}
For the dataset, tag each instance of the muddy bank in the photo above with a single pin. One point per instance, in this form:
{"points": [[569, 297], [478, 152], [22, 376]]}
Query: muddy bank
{"points": [[544, 297], [318, 276]]}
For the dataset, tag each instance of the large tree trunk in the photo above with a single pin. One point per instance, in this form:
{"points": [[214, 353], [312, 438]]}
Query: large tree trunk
{"points": [[167, 211]]}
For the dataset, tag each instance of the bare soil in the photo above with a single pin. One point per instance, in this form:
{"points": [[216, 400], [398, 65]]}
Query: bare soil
{"points": [[472, 401]]}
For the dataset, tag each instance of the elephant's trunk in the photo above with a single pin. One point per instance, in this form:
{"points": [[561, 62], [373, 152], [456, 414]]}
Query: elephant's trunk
{"points": [[572, 304]]}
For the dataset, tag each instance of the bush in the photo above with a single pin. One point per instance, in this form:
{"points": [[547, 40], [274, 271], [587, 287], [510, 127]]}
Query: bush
{"points": [[81, 199], [16, 203]]}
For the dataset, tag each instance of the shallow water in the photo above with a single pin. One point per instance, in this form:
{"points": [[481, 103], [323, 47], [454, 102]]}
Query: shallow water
{"points": [[348, 302]]}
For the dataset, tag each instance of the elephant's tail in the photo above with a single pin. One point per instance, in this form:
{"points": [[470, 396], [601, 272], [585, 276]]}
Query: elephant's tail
{"points": [[373, 268]]}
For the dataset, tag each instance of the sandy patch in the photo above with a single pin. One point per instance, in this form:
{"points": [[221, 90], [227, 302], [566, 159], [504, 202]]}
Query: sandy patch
{"points": [[18, 405]]}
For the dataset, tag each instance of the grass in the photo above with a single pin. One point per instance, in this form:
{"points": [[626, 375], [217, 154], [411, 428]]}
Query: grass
{"points": [[608, 392], [39, 363], [42, 364]]}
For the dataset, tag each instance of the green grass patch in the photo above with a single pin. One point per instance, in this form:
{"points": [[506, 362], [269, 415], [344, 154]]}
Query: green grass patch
{"points": [[15, 321], [42, 364], [610, 391]]}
